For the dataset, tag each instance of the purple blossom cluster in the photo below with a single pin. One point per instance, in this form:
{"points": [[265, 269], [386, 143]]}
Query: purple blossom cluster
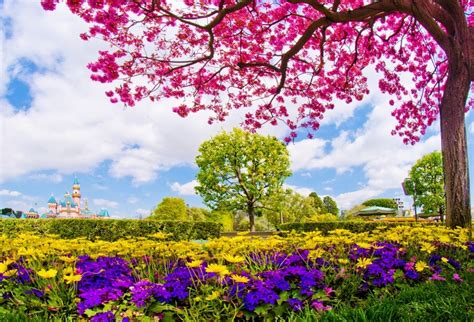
{"points": [[103, 280]]}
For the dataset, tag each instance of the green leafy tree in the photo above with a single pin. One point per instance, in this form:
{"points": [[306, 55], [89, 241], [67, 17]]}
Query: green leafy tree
{"points": [[289, 206], [381, 202], [240, 171], [427, 183], [170, 208], [331, 205], [197, 214], [318, 203]]}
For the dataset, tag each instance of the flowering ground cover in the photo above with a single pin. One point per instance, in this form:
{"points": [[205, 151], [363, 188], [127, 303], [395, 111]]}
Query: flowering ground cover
{"points": [[307, 276]]}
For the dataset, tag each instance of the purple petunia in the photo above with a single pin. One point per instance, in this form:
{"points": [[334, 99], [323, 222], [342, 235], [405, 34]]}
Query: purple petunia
{"points": [[143, 290], [103, 317]]}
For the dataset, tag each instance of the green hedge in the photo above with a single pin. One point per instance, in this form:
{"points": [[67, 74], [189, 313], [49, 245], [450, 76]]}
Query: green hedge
{"points": [[354, 226], [110, 229]]}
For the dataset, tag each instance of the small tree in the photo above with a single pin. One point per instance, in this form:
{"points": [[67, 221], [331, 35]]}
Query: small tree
{"points": [[317, 203], [170, 208], [381, 202], [289, 206], [427, 183], [331, 205], [240, 171]]}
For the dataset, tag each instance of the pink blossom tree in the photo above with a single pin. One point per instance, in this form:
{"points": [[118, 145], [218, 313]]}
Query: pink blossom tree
{"points": [[265, 56]]}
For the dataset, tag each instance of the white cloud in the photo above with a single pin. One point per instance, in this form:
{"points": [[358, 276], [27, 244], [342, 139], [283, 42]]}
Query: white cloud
{"points": [[385, 160], [55, 178], [10, 193], [471, 128], [303, 152], [105, 203], [185, 189], [304, 191], [132, 200]]}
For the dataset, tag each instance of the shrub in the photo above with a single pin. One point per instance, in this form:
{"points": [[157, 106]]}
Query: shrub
{"points": [[381, 202], [112, 229], [353, 226]]}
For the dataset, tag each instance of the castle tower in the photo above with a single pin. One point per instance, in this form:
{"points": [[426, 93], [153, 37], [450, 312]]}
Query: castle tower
{"points": [[52, 204], [76, 192]]}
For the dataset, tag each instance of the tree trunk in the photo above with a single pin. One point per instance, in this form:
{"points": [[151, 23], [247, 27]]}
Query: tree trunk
{"points": [[251, 213], [454, 143]]}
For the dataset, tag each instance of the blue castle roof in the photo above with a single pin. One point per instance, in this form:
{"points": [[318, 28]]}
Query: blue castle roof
{"points": [[103, 213], [75, 181], [52, 199]]}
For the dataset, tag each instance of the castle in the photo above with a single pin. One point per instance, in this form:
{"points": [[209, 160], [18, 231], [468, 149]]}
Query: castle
{"points": [[69, 207]]}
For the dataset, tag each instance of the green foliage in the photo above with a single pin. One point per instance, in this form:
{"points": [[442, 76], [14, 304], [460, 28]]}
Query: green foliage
{"points": [[331, 206], [288, 206], [322, 218], [381, 202], [170, 208], [354, 226], [198, 214], [427, 183], [223, 217], [317, 203], [240, 170], [110, 229]]}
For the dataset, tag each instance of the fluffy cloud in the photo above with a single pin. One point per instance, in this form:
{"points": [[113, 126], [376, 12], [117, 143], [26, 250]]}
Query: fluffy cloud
{"points": [[105, 203], [304, 191], [385, 160], [185, 189], [132, 200], [55, 177], [9, 193]]}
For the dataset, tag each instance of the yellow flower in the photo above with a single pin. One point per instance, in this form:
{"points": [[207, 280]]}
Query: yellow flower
{"points": [[213, 296], [420, 266], [3, 268], [363, 262], [233, 259], [47, 274], [239, 278], [9, 273], [343, 261], [426, 247], [444, 259], [72, 278], [218, 269], [194, 264], [316, 253], [67, 259], [364, 245], [68, 271]]}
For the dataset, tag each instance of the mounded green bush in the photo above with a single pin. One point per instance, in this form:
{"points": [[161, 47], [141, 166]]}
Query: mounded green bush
{"points": [[110, 229], [354, 226]]}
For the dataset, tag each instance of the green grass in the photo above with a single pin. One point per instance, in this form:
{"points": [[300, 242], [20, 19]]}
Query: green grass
{"points": [[433, 301]]}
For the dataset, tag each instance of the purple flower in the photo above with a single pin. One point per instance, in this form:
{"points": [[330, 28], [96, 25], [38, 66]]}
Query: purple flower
{"points": [[412, 274], [295, 304], [35, 292], [457, 278], [143, 290], [319, 306], [259, 294], [454, 263], [437, 277], [103, 317]]}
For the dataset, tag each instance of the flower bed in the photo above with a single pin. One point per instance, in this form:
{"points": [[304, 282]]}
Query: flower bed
{"points": [[228, 278]]}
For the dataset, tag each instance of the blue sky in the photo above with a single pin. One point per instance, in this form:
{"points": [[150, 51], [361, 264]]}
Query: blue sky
{"points": [[57, 124]]}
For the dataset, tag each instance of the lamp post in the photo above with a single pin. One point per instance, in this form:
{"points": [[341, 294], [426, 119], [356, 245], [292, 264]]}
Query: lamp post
{"points": [[406, 185]]}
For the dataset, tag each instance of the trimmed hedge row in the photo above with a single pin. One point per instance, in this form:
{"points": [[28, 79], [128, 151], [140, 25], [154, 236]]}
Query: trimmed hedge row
{"points": [[110, 229], [354, 226]]}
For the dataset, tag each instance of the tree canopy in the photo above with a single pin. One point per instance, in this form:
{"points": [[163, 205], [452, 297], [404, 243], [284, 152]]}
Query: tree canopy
{"points": [[427, 184], [170, 208], [239, 170], [381, 202], [331, 206], [223, 55]]}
